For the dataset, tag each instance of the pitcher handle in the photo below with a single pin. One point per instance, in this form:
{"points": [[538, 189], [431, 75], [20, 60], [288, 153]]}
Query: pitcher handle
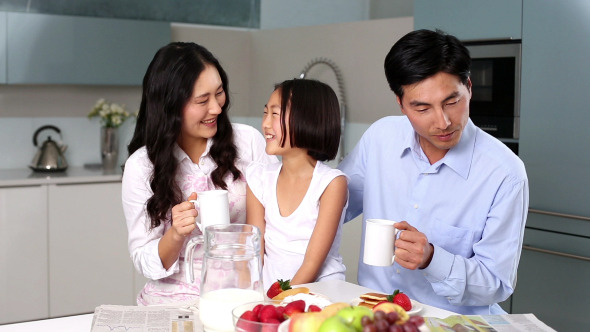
{"points": [[188, 257]]}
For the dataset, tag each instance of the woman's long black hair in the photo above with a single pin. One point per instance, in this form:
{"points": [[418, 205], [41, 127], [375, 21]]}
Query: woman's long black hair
{"points": [[167, 86]]}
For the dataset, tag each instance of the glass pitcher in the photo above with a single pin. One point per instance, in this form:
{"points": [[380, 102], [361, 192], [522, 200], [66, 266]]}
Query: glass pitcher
{"points": [[231, 272]]}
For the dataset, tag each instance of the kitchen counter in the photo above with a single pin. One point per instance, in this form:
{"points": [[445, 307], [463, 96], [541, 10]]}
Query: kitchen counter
{"points": [[336, 290], [19, 177]]}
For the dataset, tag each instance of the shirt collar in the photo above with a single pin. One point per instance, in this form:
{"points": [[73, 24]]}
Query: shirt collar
{"points": [[181, 155], [458, 158], [410, 141]]}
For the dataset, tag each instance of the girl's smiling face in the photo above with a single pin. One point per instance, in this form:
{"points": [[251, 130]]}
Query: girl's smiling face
{"points": [[271, 125]]}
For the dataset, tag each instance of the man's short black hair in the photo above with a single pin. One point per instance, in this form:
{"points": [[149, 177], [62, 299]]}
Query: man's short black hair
{"points": [[423, 53]]}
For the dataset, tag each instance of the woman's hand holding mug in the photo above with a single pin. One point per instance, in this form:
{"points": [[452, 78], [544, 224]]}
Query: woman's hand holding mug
{"points": [[183, 218]]}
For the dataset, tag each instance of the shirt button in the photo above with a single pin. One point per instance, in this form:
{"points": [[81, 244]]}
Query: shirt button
{"points": [[415, 206], [397, 271], [202, 162]]}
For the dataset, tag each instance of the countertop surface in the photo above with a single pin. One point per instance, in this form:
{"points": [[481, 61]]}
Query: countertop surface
{"points": [[26, 177]]}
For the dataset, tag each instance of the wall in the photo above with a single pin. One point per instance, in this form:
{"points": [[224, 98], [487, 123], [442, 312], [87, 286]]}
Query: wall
{"points": [[311, 12], [357, 48]]}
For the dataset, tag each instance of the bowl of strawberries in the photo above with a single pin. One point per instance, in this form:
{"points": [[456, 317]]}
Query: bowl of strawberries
{"points": [[265, 315]]}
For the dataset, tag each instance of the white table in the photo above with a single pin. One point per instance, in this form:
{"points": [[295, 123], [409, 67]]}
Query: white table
{"points": [[337, 291], [78, 323]]}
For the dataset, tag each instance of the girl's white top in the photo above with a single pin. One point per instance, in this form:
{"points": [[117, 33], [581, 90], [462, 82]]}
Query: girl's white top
{"points": [[286, 237]]}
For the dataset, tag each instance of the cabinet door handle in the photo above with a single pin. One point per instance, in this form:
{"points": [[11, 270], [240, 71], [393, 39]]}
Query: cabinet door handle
{"points": [[556, 253]]}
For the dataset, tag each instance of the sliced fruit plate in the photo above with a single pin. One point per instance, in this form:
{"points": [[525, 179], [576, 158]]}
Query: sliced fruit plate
{"points": [[417, 307]]}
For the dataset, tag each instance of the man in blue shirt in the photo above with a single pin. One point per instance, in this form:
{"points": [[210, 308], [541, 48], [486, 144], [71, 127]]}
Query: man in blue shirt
{"points": [[460, 195]]}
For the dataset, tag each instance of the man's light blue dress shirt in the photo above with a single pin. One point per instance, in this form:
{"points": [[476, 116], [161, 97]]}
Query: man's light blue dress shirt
{"points": [[472, 206]]}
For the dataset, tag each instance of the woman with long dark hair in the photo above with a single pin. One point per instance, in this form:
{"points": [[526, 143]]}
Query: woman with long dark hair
{"points": [[183, 143]]}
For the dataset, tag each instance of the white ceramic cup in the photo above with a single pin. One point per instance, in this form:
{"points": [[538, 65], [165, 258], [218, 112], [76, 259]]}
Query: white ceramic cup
{"points": [[379, 242], [213, 207]]}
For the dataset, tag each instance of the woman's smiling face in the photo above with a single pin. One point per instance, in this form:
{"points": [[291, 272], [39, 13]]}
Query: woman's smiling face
{"points": [[199, 117]]}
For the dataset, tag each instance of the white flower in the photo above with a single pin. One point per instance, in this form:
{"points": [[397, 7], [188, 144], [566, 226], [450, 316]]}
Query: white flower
{"points": [[111, 115], [99, 103], [116, 120], [116, 109]]}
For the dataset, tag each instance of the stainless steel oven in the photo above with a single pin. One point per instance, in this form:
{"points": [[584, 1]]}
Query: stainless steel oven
{"points": [[495, 78]]}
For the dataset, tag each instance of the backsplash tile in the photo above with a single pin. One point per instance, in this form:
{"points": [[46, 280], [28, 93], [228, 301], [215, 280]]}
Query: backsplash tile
{"points": [[81, 135]]}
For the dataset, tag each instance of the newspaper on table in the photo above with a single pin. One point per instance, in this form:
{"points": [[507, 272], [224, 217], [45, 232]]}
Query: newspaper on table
{"points": [[487, 323], [110, 318]]}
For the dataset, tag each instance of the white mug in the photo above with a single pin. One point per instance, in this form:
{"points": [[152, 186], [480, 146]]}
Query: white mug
{"points": [[379, 242], [213, 207]]}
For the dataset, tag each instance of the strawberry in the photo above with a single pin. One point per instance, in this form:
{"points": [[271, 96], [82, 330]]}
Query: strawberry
{"points": [[294, 307], [400, 299], [281, 311], [249, 315], [248, 322], [277, 287], [257, 308], [313, 308], [268, 312]]}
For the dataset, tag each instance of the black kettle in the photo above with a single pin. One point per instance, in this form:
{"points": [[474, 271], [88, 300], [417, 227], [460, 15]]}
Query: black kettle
{"points": [[50, 156]]}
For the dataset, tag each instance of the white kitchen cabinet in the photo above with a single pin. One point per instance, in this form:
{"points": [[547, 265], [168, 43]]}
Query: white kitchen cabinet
{"points": [[57, 49], [2, 47], [23, 254], [89, 264], [471, 19]]}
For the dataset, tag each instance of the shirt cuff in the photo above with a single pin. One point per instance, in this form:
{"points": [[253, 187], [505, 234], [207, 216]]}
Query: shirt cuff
{"points": [[152, 264], [440, 265]]}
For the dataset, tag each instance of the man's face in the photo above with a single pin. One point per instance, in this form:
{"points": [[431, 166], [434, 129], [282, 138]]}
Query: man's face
{"points": [[438, 109]]}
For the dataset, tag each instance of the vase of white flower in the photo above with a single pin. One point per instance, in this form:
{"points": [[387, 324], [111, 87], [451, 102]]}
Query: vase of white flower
{"points": [[111, 117]]}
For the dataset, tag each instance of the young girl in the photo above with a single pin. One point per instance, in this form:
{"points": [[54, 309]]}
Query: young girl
{"points": [[298, 204]]}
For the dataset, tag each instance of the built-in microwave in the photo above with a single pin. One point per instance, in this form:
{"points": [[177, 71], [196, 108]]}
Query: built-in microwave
{"points": [[495, 78]]}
